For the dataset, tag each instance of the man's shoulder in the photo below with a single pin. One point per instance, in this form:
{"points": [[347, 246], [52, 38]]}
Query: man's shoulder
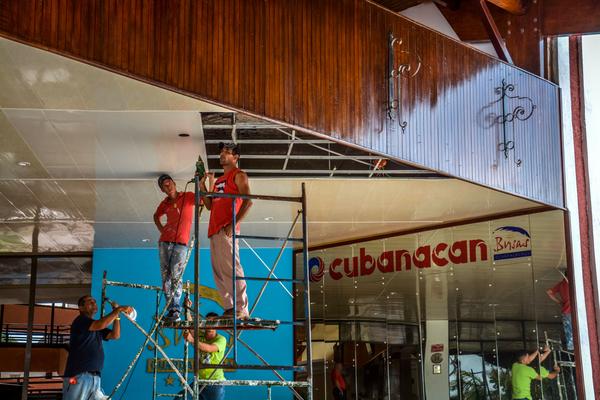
{"points": [[162, 202], [220, 339], [81, 322]]}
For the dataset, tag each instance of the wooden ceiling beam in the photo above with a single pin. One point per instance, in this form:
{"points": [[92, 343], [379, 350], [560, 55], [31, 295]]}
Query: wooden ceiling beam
{"points": [[520, 34], [517, 7]]}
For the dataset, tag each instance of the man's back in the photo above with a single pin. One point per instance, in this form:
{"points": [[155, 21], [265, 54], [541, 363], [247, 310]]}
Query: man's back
{"points": [[522, 375]]}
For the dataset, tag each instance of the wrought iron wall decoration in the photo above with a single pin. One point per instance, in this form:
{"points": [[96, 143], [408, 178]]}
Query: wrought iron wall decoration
{"points": [[397, 71], [521, 111]]}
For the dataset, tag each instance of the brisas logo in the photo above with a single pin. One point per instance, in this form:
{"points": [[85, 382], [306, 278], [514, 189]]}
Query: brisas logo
{"points": [[460, 252], [511, 242], [316, 268]]}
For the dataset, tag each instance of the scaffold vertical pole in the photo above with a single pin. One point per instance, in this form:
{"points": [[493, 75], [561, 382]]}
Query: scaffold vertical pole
{"points": [[233, 266], [102, 302], [307, 318], [154, 372], [196, 280]]}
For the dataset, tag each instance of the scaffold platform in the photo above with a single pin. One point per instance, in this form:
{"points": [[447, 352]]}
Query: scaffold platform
{"points": [[224, 324]]}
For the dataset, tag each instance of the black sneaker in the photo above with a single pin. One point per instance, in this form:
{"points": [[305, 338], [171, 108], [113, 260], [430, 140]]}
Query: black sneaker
{"points": [[172, 316]]}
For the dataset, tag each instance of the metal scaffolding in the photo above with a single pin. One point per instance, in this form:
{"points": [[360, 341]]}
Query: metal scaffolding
{"points": [[233, 326], [565, 359]]}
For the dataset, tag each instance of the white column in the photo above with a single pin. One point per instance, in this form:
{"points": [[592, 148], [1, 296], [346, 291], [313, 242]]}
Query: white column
{"points": [[571, 203]]}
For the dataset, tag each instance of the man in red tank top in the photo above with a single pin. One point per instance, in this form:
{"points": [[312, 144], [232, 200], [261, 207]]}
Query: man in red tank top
{"points": [[233, 181], [559, 293], [173, 242]]}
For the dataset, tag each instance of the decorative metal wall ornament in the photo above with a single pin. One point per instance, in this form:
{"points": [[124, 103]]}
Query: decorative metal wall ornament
{"points": [[521, 112], [397, 71]]}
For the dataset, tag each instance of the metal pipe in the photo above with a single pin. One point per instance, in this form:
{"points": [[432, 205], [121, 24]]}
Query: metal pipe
{"points": [[285, 239], [51, 341], [197, 213], [103, 294], [252, 382], [254, 367], [167, 359], [155, 351], [234, 281], [307, 313], [250, 197], [30, 317]]}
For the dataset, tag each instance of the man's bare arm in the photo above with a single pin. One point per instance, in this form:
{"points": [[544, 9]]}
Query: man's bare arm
{"points": [[157, 222], [241, 181], [108, 319], [210, 176], [551, 294]]}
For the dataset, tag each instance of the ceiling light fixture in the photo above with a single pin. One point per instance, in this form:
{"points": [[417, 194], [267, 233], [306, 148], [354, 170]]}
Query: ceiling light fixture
{"points": [[268, 218], [24, 164], [183, 134]]}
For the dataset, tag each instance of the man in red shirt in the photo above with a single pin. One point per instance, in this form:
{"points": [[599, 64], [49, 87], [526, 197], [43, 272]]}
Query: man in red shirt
{"points": [[564, 299], [338, 382], [233, 181], [173, 241]]}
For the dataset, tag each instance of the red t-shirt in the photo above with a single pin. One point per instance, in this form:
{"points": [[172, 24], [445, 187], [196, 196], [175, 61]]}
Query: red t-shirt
{"points": [[220, 211], [181, 211], [562, 288], [336, 377]]}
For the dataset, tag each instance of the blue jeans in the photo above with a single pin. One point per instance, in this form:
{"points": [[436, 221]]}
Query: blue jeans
{"points": [[212, 393], [172, 264], [568, 329], [86, 388]]}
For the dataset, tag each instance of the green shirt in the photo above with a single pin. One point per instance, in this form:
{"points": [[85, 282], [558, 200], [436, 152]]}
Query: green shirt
{"points": [[213, 358], [522, 375]]}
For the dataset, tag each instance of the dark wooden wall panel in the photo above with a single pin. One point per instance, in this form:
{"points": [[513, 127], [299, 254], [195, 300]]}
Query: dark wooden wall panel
{"points": [[320, 65]]}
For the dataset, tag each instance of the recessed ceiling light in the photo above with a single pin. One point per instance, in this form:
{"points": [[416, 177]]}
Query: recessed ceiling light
{"points": [[24, 164], [268, 218], [183, 134], [145, 240]]}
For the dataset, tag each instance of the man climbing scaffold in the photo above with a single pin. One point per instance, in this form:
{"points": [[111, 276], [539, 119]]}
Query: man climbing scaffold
{"points": [[212, 349]]}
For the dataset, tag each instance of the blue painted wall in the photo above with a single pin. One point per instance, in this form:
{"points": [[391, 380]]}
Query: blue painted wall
{"points": [[141, 266]]}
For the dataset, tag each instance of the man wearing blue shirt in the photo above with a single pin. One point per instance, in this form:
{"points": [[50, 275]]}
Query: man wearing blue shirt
{"points": [[86, 354]]}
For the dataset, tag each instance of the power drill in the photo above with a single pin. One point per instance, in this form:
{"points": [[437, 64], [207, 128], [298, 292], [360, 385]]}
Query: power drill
{"points": [[200, 170]]}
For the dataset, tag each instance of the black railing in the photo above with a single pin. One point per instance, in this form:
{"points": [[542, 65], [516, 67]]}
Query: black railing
{"points": [[42, 334]]}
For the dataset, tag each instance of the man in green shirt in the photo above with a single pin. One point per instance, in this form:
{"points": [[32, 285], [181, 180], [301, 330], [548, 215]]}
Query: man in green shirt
{"points": [[212, 348], [523, 374]]}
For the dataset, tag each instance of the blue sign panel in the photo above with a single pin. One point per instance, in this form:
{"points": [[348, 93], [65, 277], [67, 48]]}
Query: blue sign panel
{"points": [[141, 266]]}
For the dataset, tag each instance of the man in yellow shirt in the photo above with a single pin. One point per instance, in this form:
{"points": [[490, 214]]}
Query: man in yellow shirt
{"points": [[523, 374], [212, 347]]}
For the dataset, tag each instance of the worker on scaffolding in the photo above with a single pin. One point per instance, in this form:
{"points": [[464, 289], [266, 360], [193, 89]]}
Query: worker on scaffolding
{"points": [[233, 181], [174, 241], [86, 353], [523, 374], [559, 293], [211, 347]]}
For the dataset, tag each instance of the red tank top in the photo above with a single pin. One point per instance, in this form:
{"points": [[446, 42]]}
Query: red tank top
{"points": [[220, 211]]}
